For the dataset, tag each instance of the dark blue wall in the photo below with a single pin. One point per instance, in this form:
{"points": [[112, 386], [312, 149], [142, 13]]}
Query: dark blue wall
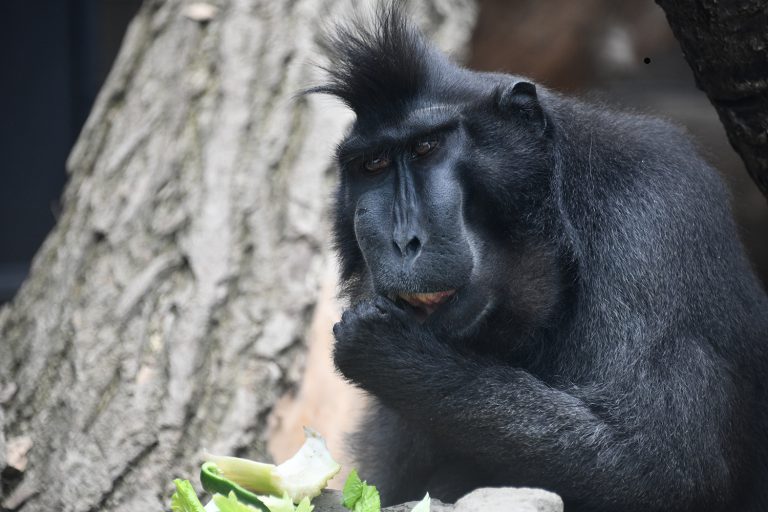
{"points": [[54, 56]]}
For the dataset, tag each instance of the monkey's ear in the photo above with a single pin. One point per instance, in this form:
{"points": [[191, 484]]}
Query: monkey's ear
{"points": [[521, 99]]}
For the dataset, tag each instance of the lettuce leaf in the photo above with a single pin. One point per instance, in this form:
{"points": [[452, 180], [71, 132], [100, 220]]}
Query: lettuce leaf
{"points": [[231, 504], [353, 490], [285, 504], [369, 501], [358, 496]]}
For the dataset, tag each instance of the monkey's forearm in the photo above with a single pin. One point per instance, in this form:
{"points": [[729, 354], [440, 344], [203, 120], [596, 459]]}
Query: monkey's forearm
{"points": [[480, 407], [497, 409], [483, 411], [525, 431]]}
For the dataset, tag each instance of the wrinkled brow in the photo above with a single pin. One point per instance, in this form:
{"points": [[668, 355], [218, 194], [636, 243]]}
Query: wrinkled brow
{"points": [[416, 123]]}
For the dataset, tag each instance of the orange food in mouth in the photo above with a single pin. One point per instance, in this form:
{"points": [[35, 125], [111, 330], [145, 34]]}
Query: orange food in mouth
{"points": [[427, 302]]}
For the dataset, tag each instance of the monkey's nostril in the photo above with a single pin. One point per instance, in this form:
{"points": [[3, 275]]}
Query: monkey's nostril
{"points": [[413, 247]]}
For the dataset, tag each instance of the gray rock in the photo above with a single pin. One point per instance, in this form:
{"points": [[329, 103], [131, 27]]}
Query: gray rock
{"points": [[502, 499], [509, 499], [328, 501], [434, 506]]}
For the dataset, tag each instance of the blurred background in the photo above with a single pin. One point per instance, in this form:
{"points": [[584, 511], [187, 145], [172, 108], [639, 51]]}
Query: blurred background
{"points": [[55, 54]]}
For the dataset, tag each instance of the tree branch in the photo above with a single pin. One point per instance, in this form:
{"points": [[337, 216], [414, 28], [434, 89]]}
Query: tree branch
{"points": [[726, 45]]}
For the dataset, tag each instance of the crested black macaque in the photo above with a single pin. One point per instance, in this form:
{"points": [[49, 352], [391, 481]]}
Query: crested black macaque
{"points": [[544, 292]]}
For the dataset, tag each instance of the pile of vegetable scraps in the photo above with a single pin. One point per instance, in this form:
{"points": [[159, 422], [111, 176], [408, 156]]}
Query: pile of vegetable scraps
{"points": [[242, 485]]}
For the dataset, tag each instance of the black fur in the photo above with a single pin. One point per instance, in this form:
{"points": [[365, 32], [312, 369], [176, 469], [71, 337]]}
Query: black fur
{"points": [[607, 340]]}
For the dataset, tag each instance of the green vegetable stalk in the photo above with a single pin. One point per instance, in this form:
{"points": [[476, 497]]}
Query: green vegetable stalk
{"points": [[185, 499], [214, 482], [304, 475]]}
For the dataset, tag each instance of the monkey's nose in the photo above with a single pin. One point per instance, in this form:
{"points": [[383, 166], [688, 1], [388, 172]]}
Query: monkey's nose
{"points": [[408, 246]]}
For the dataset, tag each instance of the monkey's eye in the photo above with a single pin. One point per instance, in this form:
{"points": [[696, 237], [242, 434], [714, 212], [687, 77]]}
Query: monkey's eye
{"points": [[423, 147], [377, 164]]}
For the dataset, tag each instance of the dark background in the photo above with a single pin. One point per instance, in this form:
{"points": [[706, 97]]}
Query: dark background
{"points": [[55, 54]]}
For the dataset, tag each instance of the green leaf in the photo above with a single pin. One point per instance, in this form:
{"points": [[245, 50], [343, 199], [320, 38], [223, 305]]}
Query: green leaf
{"points": [[275, 504], [185, 499], [215, 482], [231, 504], [285, 504], [423, 505], [369, 501], [353, 490], [358, 496], [304, 506]]}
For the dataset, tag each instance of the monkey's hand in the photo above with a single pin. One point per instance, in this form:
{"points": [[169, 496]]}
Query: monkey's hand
{"points": [[380, 347]]}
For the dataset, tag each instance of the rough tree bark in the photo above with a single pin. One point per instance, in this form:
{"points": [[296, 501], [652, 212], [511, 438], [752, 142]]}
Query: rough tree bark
{"points": [[726, 45], [167, 311]]}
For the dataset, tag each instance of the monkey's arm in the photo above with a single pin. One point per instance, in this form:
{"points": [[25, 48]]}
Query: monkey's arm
{"points": [[667, 455]]}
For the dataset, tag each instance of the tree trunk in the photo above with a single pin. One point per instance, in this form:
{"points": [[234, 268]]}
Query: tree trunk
{"points": [[726, 45], [167, 311]]}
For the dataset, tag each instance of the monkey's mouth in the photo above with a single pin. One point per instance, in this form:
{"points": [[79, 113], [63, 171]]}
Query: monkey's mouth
{"points": [[425, 304]]}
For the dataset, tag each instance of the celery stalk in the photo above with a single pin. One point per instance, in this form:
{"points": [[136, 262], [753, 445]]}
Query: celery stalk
{"points": [[185, 498], [254, 476], [304, 475]]}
